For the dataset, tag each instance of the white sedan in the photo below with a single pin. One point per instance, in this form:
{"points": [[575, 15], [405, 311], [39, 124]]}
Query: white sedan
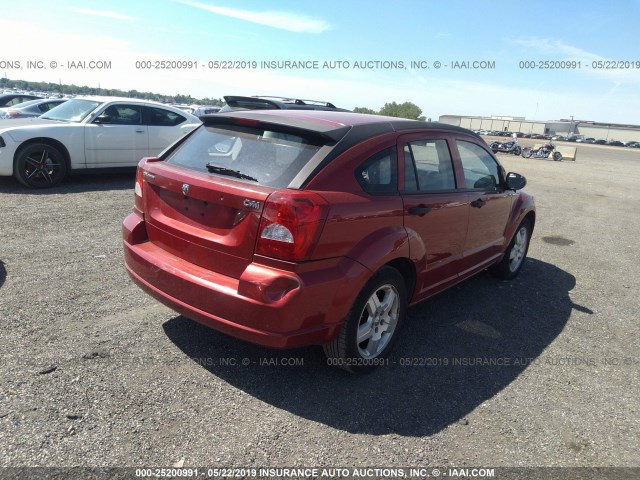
{"points": [[88, 133]]}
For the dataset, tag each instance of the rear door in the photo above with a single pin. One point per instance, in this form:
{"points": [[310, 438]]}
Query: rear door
{"points": [[164, 127], [435, 212], [489, 204]]}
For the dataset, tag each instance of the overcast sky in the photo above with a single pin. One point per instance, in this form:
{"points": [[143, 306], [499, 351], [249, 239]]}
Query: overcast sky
{"points": [[345, 32]]}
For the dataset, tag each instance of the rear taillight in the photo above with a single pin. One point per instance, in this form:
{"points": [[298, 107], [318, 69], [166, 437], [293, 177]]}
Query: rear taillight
{"points": [[291, 225], [137, 191], [139, 186]]}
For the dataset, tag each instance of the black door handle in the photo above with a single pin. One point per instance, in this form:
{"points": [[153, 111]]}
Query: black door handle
{"points": [[420, 210], [479, 203]]}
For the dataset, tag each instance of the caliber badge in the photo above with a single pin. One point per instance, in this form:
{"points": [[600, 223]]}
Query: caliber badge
{"points": [[254, 204]]}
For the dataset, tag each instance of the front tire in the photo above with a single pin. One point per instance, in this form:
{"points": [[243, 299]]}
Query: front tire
{"points": [[517, 151], [513, 260], [40, 165], [370, 329]]}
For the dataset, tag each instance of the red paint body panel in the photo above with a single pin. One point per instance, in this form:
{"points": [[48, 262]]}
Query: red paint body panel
{"points": [[195, 251], [250, 307]]}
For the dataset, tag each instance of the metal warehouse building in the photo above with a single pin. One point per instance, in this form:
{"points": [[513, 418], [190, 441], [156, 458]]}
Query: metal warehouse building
{"points": [[604, 131]]}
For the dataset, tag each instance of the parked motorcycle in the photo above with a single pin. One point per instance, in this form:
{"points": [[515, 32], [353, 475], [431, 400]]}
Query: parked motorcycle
{"points": [[543, 152], [506, 147]]}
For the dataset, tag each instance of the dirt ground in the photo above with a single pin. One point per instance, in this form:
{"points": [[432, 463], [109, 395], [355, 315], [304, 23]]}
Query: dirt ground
{"points": [[540, 371]]}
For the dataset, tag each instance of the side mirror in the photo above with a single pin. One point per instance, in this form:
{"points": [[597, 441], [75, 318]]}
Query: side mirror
{"points": [[486, 183], [102, 119], [515, 181]]}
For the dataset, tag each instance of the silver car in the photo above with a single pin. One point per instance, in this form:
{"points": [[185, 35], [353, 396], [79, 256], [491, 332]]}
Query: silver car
{"points": [[32, 108]]}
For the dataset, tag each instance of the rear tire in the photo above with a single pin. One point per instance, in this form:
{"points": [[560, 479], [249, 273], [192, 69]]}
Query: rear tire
{"points": [[527, 152], [517, 150], [370, 329], [39, 165], [557, 156], [516, 253]]}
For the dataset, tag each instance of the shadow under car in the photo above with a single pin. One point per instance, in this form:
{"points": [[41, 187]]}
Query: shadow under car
{"points": [[439, 371]]}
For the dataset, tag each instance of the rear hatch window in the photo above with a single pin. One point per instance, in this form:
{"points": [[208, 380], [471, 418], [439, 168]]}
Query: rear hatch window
{"points": [[251, 154]]}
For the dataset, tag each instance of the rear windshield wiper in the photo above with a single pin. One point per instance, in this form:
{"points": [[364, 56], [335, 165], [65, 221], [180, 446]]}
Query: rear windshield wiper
{"points": [[227, 171]]}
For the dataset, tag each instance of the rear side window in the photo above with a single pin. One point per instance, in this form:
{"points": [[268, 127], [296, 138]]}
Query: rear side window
{"points": [[162, 118], [272, 158], [378, 175]]}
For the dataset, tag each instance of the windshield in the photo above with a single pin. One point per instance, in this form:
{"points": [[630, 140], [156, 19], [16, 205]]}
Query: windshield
{"points": [[270, 158], [74, 110]]}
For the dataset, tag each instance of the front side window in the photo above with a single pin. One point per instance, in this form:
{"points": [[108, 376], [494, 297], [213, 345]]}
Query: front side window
{"points": [[428, 166], [378, 174], [481, 171], [124, 114], [252, 154]]}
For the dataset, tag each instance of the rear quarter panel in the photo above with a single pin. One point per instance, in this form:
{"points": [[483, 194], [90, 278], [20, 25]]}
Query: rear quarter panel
{"points": [[367, 228]]}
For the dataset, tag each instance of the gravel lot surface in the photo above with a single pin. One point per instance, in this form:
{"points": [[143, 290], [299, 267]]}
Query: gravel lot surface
{"points": [[540, 371]]}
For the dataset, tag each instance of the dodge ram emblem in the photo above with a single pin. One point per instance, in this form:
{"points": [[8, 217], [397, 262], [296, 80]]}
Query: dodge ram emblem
{"points": [[185, 189]]}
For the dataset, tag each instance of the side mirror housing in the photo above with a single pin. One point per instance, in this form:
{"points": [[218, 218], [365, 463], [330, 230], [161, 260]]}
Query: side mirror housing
{"points": [[102, 119], [486, 183], [515, 181]]}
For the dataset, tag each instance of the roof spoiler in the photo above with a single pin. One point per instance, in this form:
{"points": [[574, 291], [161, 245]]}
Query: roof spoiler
{"points": [[253, 118], [272, 101]]}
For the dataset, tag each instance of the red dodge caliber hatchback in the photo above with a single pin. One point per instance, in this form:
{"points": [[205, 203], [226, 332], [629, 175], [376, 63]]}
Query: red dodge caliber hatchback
{"points": [[291, 228]]}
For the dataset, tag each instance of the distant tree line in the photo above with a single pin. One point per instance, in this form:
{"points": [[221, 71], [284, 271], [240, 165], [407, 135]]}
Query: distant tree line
{"points": [[62, 88], [403, 110], [393, 109]]}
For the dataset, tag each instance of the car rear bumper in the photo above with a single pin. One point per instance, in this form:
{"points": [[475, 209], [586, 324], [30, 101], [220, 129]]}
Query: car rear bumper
{"points": [[269, 306]]}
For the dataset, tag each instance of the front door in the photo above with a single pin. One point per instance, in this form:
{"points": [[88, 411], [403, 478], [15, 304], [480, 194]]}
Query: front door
{"points": [[489, 206], [120, 141]]}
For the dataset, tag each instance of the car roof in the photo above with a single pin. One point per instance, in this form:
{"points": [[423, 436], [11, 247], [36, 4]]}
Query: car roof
{"points": [[98, 98], [104, 99], [38, 101]]}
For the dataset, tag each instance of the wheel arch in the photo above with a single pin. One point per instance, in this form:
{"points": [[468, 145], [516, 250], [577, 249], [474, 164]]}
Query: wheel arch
{"points": [[387, 247], [524, 208], [531, 216], [407, 269], [47, 141]]}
